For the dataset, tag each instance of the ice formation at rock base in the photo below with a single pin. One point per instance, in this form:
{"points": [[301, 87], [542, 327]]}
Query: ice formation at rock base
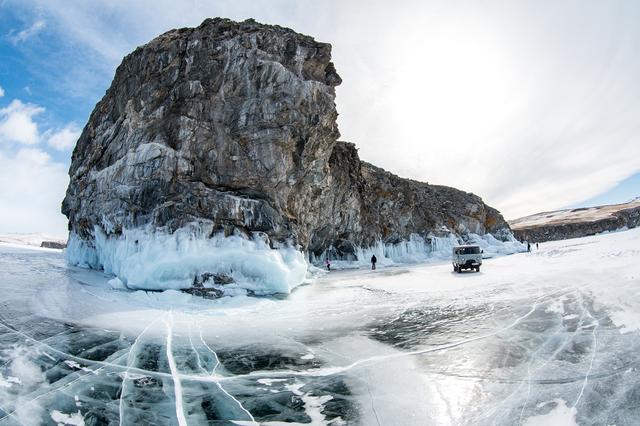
{"points": [[148, 259], [144, 259]]}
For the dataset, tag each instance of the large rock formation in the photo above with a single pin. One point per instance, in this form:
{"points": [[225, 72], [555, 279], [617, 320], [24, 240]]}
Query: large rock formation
{"points": [[575, 223], [235, 124]]}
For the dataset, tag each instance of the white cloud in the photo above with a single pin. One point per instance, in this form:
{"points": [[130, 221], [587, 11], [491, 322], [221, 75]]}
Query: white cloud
{"points": [[64, 138], [27, 33], [32, 184], [32, 187], [1, 92], [17, 125]]}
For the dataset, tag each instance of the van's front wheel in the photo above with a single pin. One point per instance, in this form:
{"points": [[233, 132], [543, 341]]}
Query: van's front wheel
{"points": [[477, 269]]}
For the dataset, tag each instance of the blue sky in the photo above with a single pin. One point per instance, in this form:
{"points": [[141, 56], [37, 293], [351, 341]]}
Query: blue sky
{"points": [[627, 190], [532, 105]]}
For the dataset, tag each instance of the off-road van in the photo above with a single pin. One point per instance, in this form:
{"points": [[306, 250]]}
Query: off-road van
{"points": [[466, 257]]}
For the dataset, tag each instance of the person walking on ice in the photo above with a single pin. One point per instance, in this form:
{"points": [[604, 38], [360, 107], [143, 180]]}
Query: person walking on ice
{"points": [[373, 262], [328, 263]]}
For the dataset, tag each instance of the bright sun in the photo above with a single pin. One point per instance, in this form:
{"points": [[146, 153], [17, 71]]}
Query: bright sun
{"points": [[460, 83]]}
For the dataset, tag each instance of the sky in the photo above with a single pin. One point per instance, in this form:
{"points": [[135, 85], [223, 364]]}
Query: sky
{"points": [[533, 105]]}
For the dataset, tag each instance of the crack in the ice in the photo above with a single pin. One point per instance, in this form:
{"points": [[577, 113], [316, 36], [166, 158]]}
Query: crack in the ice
{"points": [[213, 370], [58, 388], [7, 414], [321, 372], [177, 384], [129, 364], [212, 378], [552, 357], [90, 361], [530, 373], [593, 356], [560, 381], [373, 407], [446, 401], [253, 420]]}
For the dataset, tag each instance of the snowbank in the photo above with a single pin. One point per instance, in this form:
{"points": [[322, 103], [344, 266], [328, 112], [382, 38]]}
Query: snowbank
{"points": [[145, 259], [419, 250]]}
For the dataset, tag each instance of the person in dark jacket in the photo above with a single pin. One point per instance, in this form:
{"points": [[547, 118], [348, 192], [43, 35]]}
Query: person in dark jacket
{"points": [[373, 262], [328, 263]]}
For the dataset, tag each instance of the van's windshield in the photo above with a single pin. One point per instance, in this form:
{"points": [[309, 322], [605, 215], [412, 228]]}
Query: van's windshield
{"points": [[469, 250]]}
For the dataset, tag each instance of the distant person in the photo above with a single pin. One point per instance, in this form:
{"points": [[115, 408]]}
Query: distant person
{"points": [[373, 262], [537, 248], [328, 263], [528, 246]]}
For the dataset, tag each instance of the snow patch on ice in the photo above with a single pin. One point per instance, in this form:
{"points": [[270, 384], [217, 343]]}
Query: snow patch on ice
{"points": [[77, 366], [556, 306], [6, 382], [27, 372], [24, 377], [74, 419], [627, 320], [560, 415], [152, 259], [313, 405], [269, 382]]}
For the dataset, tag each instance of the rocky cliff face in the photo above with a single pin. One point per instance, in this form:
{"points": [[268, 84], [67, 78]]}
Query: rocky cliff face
{"points": [[235, 124], [232, 122], [575, 223], [366, 204]]}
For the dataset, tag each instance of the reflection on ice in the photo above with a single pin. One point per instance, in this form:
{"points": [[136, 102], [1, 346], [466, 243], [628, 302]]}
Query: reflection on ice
{"points": [[535, 338]]}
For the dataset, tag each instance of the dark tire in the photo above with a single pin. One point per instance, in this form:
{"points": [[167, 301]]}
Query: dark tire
{"points": [[477, 269], [455, 268], [459, 270]]}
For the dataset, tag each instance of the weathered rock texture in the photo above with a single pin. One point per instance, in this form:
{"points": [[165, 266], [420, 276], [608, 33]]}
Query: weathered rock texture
{"points": [[236, 123], [575, 223]]}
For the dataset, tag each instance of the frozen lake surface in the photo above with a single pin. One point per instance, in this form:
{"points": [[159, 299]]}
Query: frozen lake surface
{"points": [[542, 338]]}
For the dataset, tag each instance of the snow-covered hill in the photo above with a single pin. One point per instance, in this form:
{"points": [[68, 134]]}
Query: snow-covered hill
{"points": [[579, 222]]}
